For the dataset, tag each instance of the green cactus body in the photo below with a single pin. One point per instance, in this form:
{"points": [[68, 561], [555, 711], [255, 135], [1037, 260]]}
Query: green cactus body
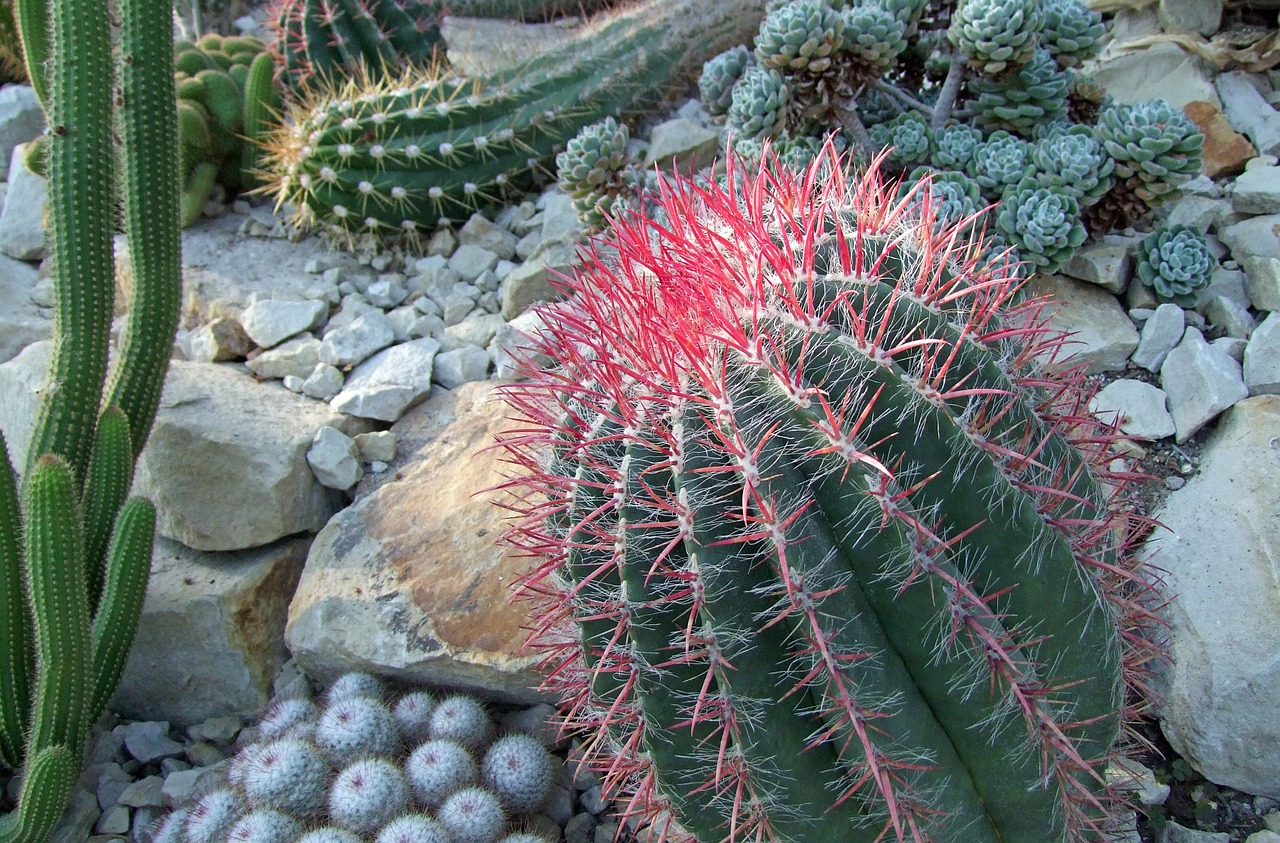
{"points": [[327, 41], [402, 157], [836, 567], [17, 657]]}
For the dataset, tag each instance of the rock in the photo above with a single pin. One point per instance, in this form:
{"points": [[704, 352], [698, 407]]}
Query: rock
{"points": [[1162, 70], [334, 458], [442, 243], [1226, 151], [221, 340], [324, 382], [1223, 282], [181, 786], [21, 382], [268, 322], [478, 329], [1134, 777], [77, 820], [377, 446], [560, 219], [469, 261], [1257, 191], [149, 741], [1160, 334], [1139, 406], [22, 233], [409, 579], [480, 232], [461, 365], [297, 357], [144, 793], [210, 639], [114, 821], [1264, 836], [1218, 549], [1200, 382], [1229, 315], [1248, 111], [1262, 280], [1262, 358], [530, 282], [1174, 833], [1199, 212], [1201, 17], [1255, 243], [1107, 263], [351, 345], [21, 118], [682, 146], [390, 382], [21, 322], [456, 306], [1102, 335], [514, 346], [226, 461]]}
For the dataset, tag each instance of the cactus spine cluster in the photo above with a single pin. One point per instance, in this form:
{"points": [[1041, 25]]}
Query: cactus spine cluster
{"points": [[74, 553], [404, 155], [826, 553]]}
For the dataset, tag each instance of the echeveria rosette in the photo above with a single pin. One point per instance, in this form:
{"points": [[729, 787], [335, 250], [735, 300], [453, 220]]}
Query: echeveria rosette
{"points": [[1000, 161], [1042, 223], [907, 11], [908, 136], [1175, 262], [996, 35], [875, 107], [954, 146], [800, 37], [874, 37], [948, 197], [1072, 159], [591, 170], [1030, 96], [758, 103], [1071, 31], [719, 74]]}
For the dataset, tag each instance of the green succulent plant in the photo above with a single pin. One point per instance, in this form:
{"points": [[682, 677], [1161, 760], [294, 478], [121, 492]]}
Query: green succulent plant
{"points": [[875, 107], [998, 162], [1042, 223], [996, 35], [591, 170], [1031, 95], [719, 74], [759, 102], [908, 136], [1176, 263], [954, 146], [1071, 159], [1071, 31], [800, 36], [874, 37]]}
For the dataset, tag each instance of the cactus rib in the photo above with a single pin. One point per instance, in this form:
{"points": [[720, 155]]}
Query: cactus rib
{"points": [[15, 623]]}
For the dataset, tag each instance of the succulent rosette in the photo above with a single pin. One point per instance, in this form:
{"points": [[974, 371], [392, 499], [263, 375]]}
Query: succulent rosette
{"points": [[1175, 262]]}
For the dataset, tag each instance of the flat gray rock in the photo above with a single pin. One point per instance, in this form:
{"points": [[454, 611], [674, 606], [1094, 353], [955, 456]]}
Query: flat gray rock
{"points": [[390, 382], [1102, 335], [461, 365], [21, 117], [1160, 334], [22, 233], [1262, 358], [1161, 71], [1200, 381], [21, 322], [268, 322], [1248, 112], [1201, 17], [681, 145], [1140, 408], [1257, 190], [352, 344], [334, 459], [1107, 263], [297, 357]]}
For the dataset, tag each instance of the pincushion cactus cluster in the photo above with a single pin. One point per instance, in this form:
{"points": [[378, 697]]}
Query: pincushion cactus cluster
{"points": [[824, 551], [360, 767], [1175, 262]]}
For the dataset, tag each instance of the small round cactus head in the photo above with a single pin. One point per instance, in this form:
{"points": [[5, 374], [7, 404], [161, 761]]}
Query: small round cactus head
{"points": [[438, 768], [413, 715], [168, 829], [290, 774], [1175, 262], [800, 37], [719, 73], [463, 719], [265, 826], [355, 684], [523, 837], [329, 834], [293, 716], [518, 769], [472, 815], [356, 727], [367, 795], [211, 817], [413, 828]]}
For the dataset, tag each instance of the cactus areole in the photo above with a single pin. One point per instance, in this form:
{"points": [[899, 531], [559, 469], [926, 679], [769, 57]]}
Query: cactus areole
{"points": [[825, 554]]}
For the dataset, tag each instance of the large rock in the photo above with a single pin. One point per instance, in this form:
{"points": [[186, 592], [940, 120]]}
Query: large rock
{"points": [[1220, 551], [22, 233], [408, 580], [21, 117], [21, 322], [1249, 112], [226, 464], [21, 380], [211, 637], [1102, 335], [1161, 71]]}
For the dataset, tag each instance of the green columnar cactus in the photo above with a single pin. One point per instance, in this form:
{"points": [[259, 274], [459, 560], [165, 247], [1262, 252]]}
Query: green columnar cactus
{"points": [[326, 41], [74, 553], [526, 10], [826, 553], [395, 158]]}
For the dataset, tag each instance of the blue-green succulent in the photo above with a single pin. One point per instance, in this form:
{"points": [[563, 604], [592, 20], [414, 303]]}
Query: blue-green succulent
{"points": [[719, 74], [1071, 31], [800, 37], [1024, 98], [1042, 223], [909, 137], [1070, 158], [1175, 262], [1000, 161], [874, 37], [1155, 147], [954, 146], [996, 35], [758, 104]]}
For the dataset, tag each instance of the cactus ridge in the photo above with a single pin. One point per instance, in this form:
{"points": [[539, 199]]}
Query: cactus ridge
{"points": [[833, 537]]}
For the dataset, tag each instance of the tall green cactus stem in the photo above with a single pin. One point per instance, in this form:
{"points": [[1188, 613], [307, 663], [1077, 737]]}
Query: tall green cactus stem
{"points": [[32, 20], [406, 155], [74, 554], [827, 553]]}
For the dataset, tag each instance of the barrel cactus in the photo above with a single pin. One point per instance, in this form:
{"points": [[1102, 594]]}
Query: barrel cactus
{"points": [[1175, 262], [826, 554], [996, 35], [328, 41]]}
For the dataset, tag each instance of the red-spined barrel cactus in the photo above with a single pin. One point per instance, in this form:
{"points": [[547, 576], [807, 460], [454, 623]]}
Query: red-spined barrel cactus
{"points": [[827, 554]]}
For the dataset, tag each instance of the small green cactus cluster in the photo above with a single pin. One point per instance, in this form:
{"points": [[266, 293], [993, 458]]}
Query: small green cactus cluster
{"points": [[361, 766], [1175, 262], [328, 42], [595, 169], [987, 88], [226, 100]]}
